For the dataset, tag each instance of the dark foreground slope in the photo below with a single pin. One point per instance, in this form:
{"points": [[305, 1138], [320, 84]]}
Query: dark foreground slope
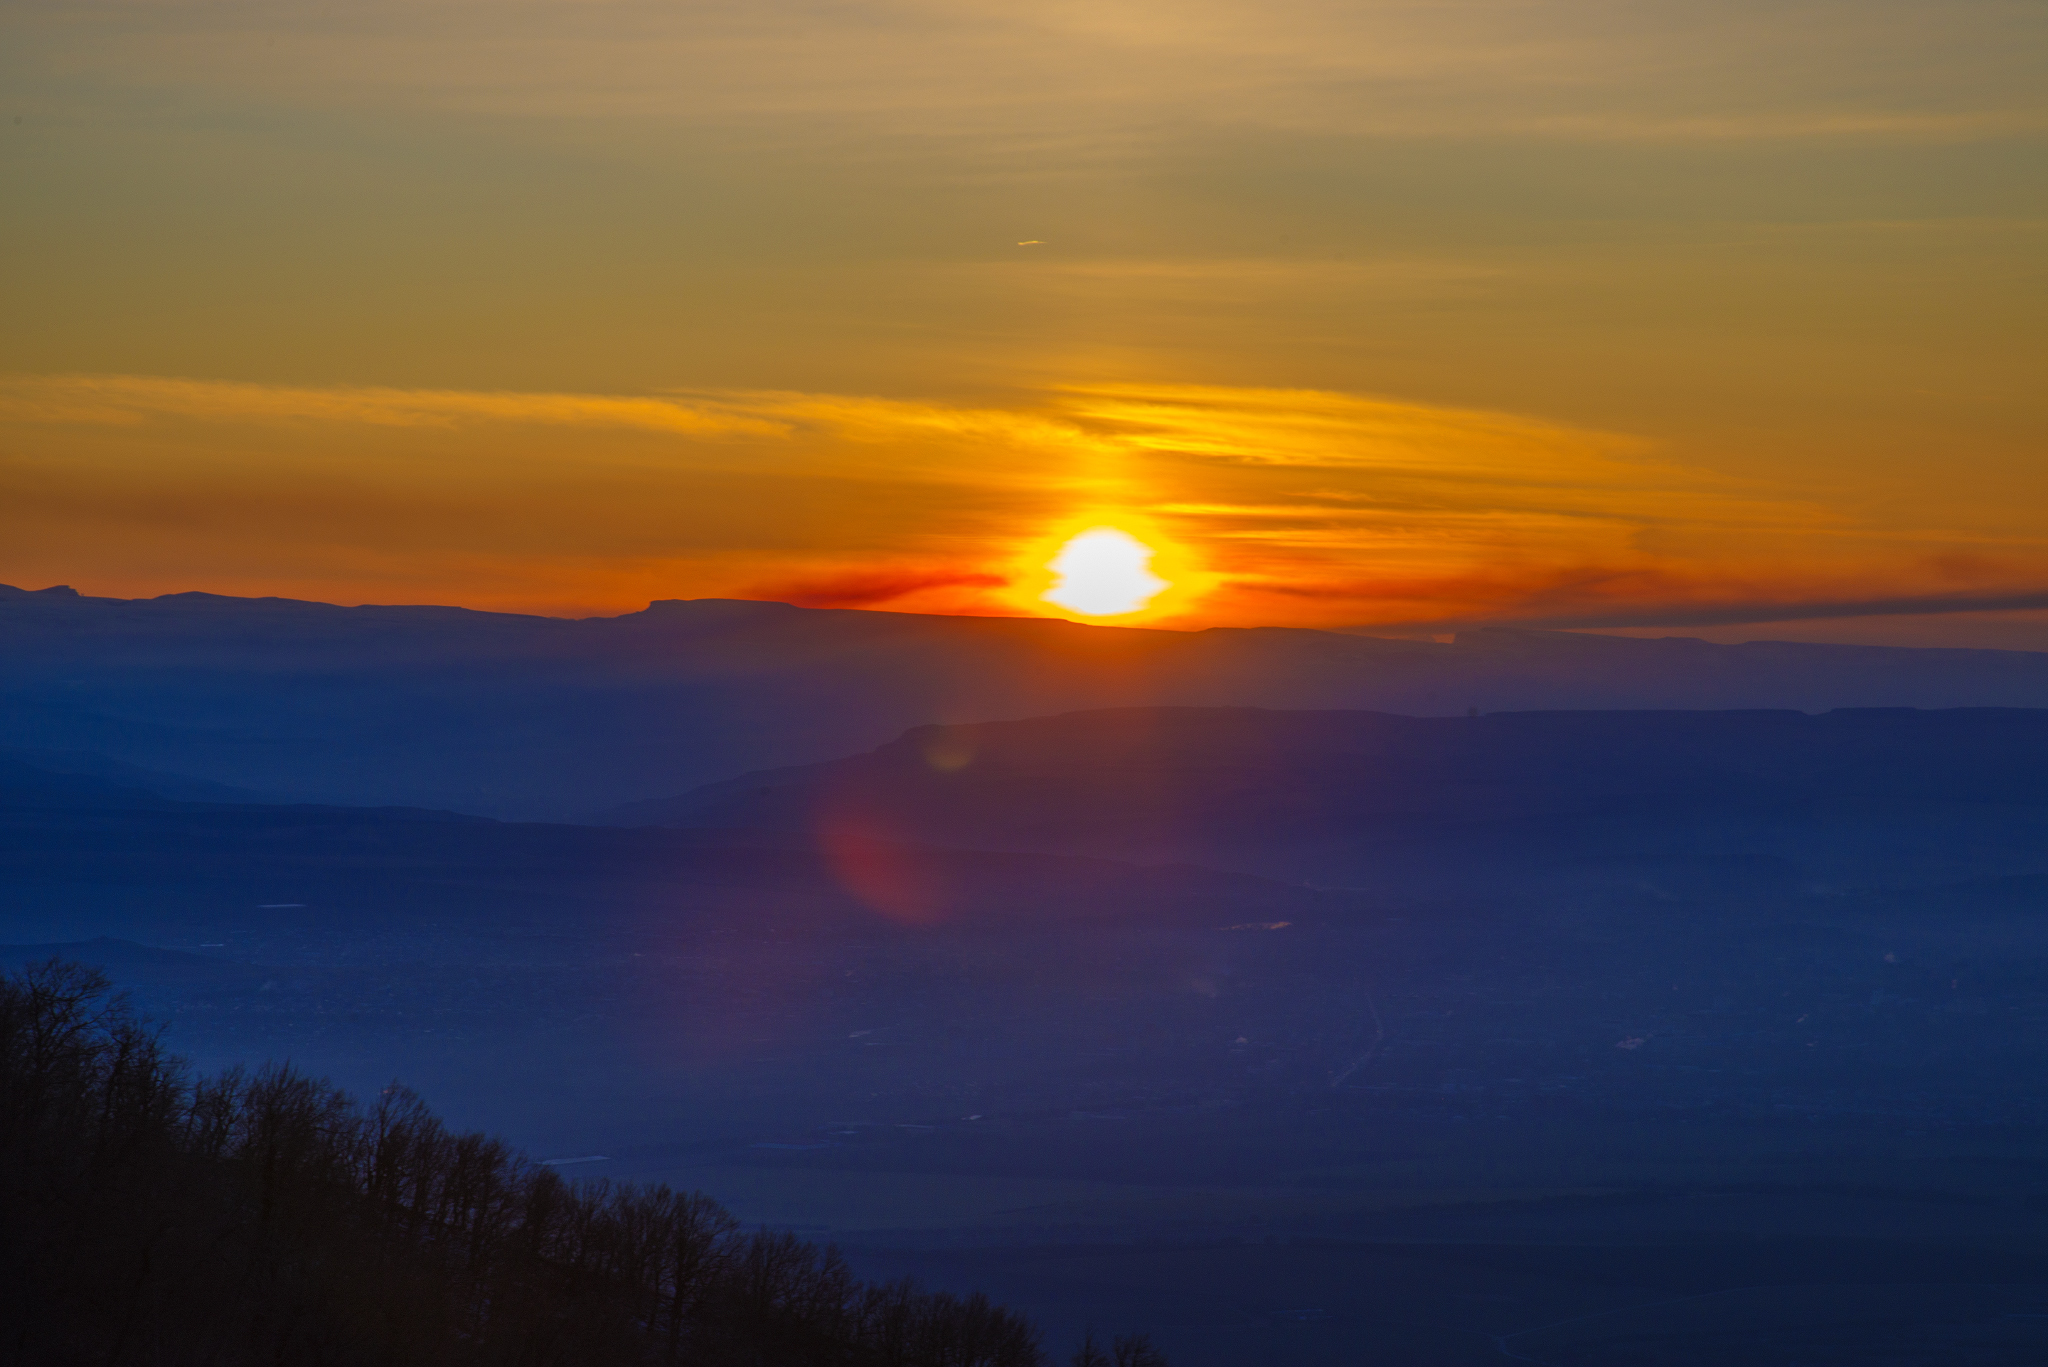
{"points": [[149, 1216], [538, 717]]}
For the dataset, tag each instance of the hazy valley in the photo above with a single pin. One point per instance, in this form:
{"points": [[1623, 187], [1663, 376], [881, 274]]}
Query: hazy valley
{"points": [[1286, 1035]]}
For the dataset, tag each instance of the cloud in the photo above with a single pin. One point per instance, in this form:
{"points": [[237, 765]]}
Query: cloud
{"points": [[1744, 614], [1296, 427], [130, 399], [1279, 506], [868, 588], [1623, 597]]}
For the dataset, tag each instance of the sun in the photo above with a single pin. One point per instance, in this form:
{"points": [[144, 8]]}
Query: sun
{"points": [[1103, 572]]}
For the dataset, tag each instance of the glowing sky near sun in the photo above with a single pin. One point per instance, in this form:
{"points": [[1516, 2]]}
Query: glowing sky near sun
{"points": [[1364, 314]]}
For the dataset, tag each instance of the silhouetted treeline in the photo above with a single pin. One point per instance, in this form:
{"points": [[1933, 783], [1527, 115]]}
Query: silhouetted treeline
{"points": [[153, 1218]]}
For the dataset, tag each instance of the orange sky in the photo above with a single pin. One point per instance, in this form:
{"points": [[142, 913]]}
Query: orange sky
{"points": [[1637, 317]]}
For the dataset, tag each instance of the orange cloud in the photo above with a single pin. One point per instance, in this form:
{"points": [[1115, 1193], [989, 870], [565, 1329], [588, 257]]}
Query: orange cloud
{"points": [[127, 400], [1296, 507], [869, 588]]}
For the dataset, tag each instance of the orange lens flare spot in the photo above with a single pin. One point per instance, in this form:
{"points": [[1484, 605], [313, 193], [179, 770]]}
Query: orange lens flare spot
{"points": [[1103, 572], [872, 865]]}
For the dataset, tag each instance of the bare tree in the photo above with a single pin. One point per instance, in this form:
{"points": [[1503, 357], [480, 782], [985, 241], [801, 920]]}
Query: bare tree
{"points": [[258, 1217]]}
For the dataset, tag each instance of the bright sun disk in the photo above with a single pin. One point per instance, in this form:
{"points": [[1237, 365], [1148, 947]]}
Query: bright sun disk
{"points": [[1103, 573]]}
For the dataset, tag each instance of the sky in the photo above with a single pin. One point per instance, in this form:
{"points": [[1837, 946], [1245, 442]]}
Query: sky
{"points": [[1667, 318]]}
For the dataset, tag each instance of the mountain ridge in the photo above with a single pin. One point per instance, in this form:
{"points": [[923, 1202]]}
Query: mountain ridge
{"points": [[1358, 796], [532, 717]]}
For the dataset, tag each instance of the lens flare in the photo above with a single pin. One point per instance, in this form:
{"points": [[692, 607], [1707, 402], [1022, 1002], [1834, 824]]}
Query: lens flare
{"points": [[1103, 572]]}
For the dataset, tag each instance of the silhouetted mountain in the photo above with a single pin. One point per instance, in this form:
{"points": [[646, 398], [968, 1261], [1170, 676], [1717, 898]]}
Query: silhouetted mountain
{"points": [[134, 777], [531, 716], [82, 779], [1381, 801], [29, 785]]}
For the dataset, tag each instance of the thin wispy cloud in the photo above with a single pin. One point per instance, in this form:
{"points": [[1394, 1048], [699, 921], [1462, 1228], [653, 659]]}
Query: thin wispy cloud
{"points": [[130, 399], [1304, 506], [1925, 605]]}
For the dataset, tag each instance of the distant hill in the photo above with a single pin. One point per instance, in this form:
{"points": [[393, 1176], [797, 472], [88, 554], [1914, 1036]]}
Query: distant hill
{"points": [[537, 717], [293, 855], [103, 780], [28, 785], [1367, 797]]}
